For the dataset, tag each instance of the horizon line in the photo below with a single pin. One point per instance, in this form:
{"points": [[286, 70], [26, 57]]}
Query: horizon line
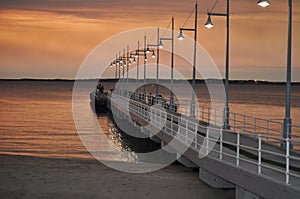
{"points": [[115, 79]]}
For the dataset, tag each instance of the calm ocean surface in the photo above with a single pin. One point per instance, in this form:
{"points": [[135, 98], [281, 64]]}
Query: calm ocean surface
{"points": [[36, 116]]}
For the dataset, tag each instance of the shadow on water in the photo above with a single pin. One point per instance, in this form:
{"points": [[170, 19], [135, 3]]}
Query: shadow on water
{"points": [[128, 142]]}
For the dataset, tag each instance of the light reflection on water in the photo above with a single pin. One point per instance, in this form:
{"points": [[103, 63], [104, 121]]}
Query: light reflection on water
{"points": [[36, 117]]}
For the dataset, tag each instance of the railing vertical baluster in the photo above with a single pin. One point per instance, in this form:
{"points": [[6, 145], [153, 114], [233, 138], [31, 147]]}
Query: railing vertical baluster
{"points": [[287, 156], [238, 150], [259, 154], [221, 144]]}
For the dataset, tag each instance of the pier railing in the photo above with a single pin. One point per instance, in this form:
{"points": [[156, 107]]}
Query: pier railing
{"points": [[232, 146], [250, 125]]}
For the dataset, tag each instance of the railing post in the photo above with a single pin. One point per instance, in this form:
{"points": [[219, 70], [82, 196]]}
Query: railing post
{"points": [[255, 126], [238, 150], [196, 136], [164, 118], [207, 140], [160, 116], [267, 131], [186, 130], [259, 154], [208, 115], [202, 113], [234, 121], [154, 111], [287, 156], [221, 144], [215, 116], [244, 123], [172, 120]]}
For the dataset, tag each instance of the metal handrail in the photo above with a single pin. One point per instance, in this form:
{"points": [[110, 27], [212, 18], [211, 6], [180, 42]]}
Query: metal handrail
{"points": [[260, 126]]}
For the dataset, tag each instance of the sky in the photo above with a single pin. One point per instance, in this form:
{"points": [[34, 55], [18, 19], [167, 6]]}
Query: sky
{"points": [[51, 38]]}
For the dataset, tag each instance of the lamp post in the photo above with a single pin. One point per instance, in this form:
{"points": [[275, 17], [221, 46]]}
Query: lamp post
{"points": [[114, 63], [127, 71], [158, 46], [180, 37], [172, 67], [137, 68], [209, 24], [287, 121], [117, 64], [123, 61], [120, 64], [124, 64], [145, 63], [143, 52]]}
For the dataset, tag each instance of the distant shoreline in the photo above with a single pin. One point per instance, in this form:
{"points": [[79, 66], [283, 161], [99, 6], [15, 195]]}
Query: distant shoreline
{"points": [[199, 81]]}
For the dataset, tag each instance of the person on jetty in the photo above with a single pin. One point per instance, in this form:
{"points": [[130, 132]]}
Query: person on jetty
{"points": [[100, 88], [150, 99]]}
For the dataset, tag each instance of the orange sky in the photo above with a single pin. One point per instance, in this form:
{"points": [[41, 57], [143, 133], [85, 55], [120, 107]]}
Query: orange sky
{"points": [[51, 38]]}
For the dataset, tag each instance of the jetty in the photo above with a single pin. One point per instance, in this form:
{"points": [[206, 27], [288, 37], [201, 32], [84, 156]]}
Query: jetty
{"points": [[248, 157]]}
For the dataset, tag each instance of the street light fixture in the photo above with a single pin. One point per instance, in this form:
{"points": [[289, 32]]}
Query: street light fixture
{"points": [[160, 45], [263, 3], [180, 37], [209, 24], [153, 55], [130, 58]]}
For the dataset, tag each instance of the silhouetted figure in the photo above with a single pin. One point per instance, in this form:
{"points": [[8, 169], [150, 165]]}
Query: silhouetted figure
{"points": [[150, 99], [100, 88]]}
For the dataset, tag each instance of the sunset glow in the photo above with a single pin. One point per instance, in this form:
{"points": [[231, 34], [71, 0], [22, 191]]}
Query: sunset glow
{"points": [[50, 39]]}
